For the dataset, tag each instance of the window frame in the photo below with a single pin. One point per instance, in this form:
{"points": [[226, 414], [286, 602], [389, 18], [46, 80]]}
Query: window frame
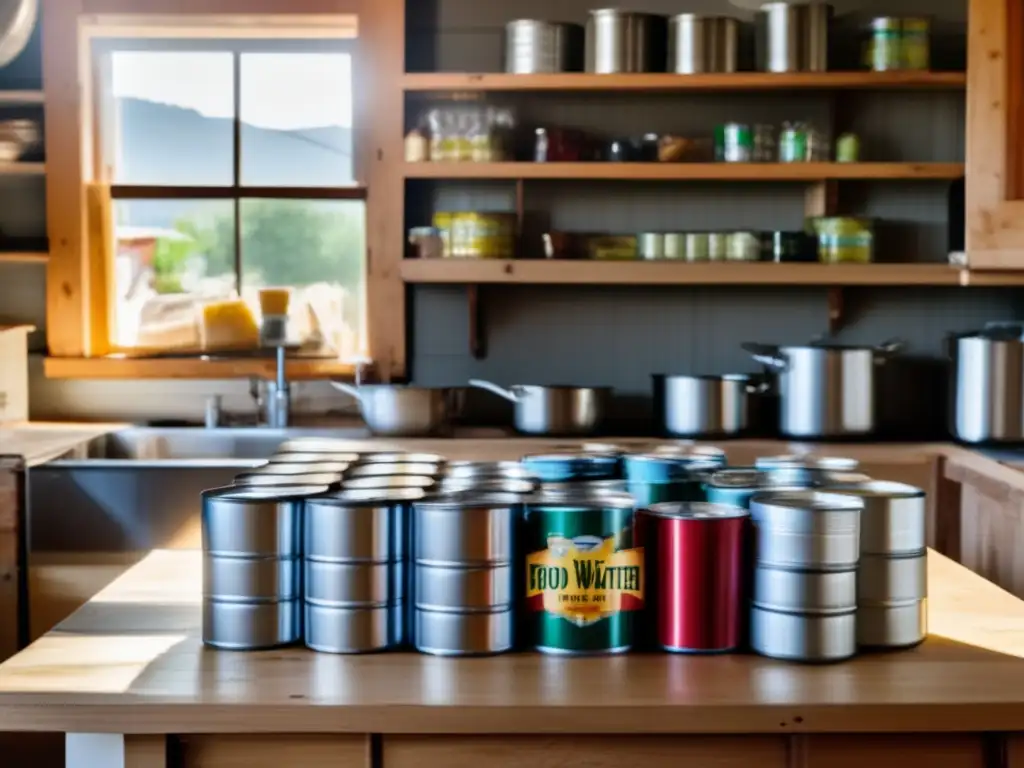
{"points": [[76, 295]]}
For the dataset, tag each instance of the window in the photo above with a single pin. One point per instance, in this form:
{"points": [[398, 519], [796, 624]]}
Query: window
{"points": [[230, 169]]}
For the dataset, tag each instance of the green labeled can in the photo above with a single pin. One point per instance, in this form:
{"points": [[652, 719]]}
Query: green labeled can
{"points": [[584, 575]]}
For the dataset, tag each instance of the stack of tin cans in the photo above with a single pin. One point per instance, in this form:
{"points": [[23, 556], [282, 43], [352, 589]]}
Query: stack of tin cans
{"points": [[463, 573], [893, 572], [805, 575], [252, 546]]}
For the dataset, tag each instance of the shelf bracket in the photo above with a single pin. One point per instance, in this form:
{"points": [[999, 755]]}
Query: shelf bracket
{"points": [[836, 310], [477, 339]]}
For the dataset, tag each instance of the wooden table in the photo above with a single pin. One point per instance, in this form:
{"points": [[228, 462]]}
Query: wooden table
{"points": [[128, 680]]}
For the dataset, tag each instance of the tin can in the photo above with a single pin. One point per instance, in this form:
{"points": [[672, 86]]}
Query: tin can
{"points": [[718, 246], [793, 143], [697, 246], [675, 245], [738, 143], [915, 47], [803, 637], [807, 529], [743, 246], [659, 477], [893, 520], [652, 245], [584, 575], [695, 563], [735, 487], [581, 488], [884, 48], [894, 625], [569, 467]]}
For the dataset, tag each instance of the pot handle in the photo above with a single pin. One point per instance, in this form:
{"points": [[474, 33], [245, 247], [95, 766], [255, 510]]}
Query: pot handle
{"points": [[767, 355], [508, 394], [889, 348], [348, 389]]}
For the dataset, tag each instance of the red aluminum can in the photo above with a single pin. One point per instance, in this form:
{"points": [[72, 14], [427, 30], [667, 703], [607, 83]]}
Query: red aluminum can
{"points": [[695, 560]]}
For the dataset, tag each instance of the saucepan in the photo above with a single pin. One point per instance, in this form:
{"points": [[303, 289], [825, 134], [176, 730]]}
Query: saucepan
{"points": [[393, 410], [706, 406], [553, 410]]}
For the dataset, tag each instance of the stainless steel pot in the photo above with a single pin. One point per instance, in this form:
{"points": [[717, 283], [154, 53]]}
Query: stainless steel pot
{"points": [[553, 410], [398, 411], [622, 41], [706, 406], [988, 384], [826, 390], [533, 47]]}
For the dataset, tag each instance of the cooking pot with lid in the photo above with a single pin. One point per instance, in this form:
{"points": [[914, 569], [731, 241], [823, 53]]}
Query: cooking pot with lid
{"points": [[826, 390], [988, 384]]}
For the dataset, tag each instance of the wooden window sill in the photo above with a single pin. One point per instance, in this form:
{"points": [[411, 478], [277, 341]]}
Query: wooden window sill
{"points": [[189, 368]]}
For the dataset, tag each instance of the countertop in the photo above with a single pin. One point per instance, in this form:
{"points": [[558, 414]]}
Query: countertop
{"points": [[131, 661], [38, 441]]}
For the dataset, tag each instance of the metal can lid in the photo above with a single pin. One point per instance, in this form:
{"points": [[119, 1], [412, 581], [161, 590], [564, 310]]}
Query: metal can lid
{"points": [[377, 470], [567, 457], [835, 463], [403, 458], [317, 457], [810, 500], [582, 488], [264, 493], [738, 477], [287, 468], [788, 461], [388, 481], [696, 510], [582, 502], [486, 485], [353, 496], [876, 489], [314, 478], [468, 469], [470, 500]]}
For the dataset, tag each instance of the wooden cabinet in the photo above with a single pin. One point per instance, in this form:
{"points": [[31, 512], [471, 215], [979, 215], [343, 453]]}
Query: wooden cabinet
{"points": [[995, 120]]}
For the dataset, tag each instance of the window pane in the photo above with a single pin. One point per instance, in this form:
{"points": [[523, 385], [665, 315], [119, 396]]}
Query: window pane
{"points": [[172, 258], [317, 247], [174, 118], [296, 111]]}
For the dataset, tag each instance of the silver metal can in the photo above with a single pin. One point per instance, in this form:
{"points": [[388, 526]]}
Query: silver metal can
{"points": [[349, 584], [341, 529], [457, 485], [541, 47], [697, 246], [352, 630], [807, 529], [884, 579], [791, 591], [651, 245], [675, 245], [445, 633], [485, 588], [893, 521], [250, 626], [621, 41], [687, 44], [250, 579], [803, 637], [254, 522], [900, 625], [470, 530]]}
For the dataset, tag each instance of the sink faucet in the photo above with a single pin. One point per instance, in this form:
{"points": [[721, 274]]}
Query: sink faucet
{"points": [[279, 394], [274, 333]]}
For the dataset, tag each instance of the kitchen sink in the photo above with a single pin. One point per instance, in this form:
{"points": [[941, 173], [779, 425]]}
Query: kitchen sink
{"points": [[133, 489]]}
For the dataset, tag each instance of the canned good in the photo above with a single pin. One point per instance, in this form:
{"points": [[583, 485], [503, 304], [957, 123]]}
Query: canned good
{"points": [[342, 529], [581, 488], [486, 470], [567, 467], [793, 143], [848, 148], [718, 246], [387, 483], [485, 588], [743, 246], [446, 633], [660, 477], [792, 591], [893, 520], [473, 529], [697, 246], [584, 575], [884, 48], [364, 629], [892, 626], [737, 142], [789, 471], [254, 522], [346, 585], [675, 245], [786, 247], [735, 487], [694, 560], [324, 479], [378, 470], [652, 245], [803, 637], [882, 579], [250, 626], [250, 579], [915, 44], [478, 235], [764, 144], [807, 529]]}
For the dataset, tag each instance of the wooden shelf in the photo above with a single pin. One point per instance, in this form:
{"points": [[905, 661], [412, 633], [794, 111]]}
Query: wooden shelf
{"points": [[739, 81], [22, 169], [23, 257], [685, 171], [15, 98], [189, 368], [572, 272]]}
